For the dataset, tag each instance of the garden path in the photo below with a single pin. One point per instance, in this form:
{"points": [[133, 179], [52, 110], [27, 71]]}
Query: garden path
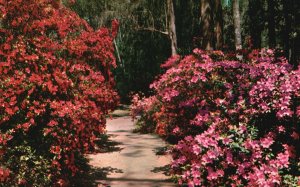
{"points": [[131, 158]]}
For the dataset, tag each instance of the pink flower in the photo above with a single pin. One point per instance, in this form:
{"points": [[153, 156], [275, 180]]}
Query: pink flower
{"points": [[191, 184], [295, 135], [212, 154], [283, 160], [243, 129], [281, 129], [284, 112], [226, 140], [264, 106], [197, 181], [220, 172], [194, 79], [266, 142], [229, 157], [169, 94], [196, 149], [201, 118], [182, 159], [176, 130], [258, 177], [186, 174], [205, 160], [196, 173], [211, 174], [172, 61], [219, 101]]}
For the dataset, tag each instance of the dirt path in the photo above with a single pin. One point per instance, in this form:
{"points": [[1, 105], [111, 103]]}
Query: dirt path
{"points": [[132, 161]]}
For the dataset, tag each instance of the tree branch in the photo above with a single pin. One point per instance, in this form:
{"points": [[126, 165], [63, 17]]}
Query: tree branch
{"points": [[152, 30]]}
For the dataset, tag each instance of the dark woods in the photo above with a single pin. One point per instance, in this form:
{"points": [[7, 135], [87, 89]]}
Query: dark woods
{"points": [[150, 31]]}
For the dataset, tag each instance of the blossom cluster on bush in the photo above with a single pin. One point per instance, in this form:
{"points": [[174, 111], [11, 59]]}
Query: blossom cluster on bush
{"points": [[236, 121], [56, 88], [146, 123]]}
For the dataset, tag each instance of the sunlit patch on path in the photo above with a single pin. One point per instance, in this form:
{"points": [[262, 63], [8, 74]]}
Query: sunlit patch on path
{"points": [[132, 159]]}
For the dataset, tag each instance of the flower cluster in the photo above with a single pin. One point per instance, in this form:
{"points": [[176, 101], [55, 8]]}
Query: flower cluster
{"points": [[236, 122], [56, 88], [140, 104], [4, 174]]}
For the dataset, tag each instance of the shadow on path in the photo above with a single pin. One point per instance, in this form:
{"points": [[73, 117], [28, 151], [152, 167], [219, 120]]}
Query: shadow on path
{"points": [[93, 177], [107, 145], [128, 159]]}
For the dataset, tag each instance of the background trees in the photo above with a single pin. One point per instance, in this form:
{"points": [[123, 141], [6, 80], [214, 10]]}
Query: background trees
{"points": [[144, 40], [237, 24]]}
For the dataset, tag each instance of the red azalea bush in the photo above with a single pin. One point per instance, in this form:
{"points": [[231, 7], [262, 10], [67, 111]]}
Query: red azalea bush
{"points": [[55, 90], [236, 122]]}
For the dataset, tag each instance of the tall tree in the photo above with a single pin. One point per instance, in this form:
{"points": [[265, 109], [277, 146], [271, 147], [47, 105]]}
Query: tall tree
{"points": [[172, 26], [256, 18], [207, 27], [218, 24], [287, 10], [271, 24], [237, 24], [291, 30], [188, 12]]}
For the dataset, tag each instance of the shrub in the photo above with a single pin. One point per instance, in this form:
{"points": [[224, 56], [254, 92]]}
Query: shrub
{"points": [[145, 123], [55, 90], [236, 122]]}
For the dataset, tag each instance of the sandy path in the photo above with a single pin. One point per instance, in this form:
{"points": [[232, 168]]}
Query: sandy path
{"points": [[133, 161]]}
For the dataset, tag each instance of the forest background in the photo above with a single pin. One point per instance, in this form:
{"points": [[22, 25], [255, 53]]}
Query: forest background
{"points": [[152, 30]]}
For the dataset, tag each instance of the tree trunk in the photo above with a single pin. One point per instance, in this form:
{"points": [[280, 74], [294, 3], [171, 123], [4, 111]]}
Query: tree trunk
{"points": [[237, 24], [207, 28], [218, 24], [172, 26], [290, 32], [287, 28], [256, 20], [271, 24]]}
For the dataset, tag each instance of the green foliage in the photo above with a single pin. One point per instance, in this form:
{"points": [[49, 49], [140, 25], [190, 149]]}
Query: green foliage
{"points": [[26, 164], [290, 181]]}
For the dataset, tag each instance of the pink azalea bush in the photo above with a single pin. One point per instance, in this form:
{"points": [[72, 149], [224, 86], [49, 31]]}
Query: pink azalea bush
{"points": [[236, 122], [140, 104]]}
